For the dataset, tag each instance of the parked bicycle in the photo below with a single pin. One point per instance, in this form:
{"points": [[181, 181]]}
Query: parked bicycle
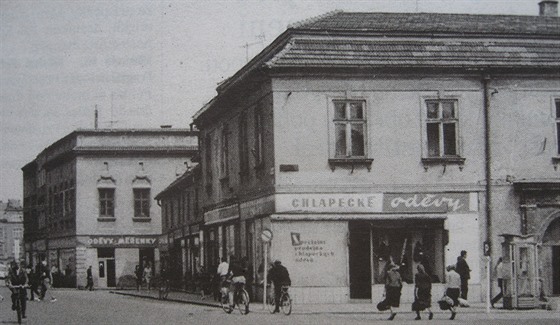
{"points": [[285, 301], [240, 298]]}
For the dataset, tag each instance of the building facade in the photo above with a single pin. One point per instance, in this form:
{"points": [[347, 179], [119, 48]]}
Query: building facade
{"points": [[11, 231], [180, 243], [88, 201], [363, 138]]}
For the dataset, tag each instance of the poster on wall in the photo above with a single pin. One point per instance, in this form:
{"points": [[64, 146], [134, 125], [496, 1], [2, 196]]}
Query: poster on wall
{"points": [[308, 251]]}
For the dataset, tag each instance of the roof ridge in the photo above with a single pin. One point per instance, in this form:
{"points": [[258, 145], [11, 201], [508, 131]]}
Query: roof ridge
{"points": [[314, 19]]}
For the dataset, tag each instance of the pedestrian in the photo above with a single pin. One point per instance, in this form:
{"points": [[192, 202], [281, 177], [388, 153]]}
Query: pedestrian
{"points": [[393, 287], [148, 275], [500, 278], [279, 276], [68, 276], [55, 277], [17, 276], [464, 271], [139, 276], [222, 272], [46, 280], [422, 293], [453, 288], [89, 276]]}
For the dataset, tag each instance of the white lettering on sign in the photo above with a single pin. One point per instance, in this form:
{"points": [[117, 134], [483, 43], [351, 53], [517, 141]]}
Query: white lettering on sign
{"points": [[121, 241], [427, 201]]}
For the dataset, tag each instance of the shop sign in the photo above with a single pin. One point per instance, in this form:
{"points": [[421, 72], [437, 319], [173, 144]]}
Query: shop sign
{"points": [[310, 250], [343, 202], [426, 203], [122, 241]]}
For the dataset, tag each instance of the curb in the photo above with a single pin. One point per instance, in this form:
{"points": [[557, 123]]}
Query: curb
{"points": [[200, 303]]}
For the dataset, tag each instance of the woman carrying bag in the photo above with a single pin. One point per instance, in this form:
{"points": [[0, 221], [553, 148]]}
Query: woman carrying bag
{"points": [[453, 288], [393, 286], [422, 293]]}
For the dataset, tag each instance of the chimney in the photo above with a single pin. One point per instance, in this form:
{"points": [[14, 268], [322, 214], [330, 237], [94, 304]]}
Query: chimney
{"points": [[548, 8]]}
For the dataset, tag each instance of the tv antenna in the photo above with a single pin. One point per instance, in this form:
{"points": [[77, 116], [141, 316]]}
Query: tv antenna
{"points": [[261, 38]]}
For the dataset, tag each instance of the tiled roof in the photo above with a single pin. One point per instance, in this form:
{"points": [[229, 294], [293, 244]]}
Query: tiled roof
{"points": [[433, 23], [345, 51]]}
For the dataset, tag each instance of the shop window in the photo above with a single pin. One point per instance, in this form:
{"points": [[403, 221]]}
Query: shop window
{"points": [[349, 129], [141, 202], [408, 247], [106, 202]]}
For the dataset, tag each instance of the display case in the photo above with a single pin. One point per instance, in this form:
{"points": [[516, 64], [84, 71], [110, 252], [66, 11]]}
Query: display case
{"points": [[521, 271]]}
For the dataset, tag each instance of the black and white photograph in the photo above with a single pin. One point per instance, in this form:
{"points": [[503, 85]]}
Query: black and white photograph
{"points": [[279, 162]]}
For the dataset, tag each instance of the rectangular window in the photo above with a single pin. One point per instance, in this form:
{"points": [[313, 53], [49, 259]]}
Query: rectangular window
{"points": [[243, 145], [107, 202], [441, 128], [141, 202], [350, 129], [258, 149], [224, 163], [557, 110]]}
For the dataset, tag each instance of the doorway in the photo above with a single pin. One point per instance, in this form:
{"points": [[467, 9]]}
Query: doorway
{"points": [[556, 270], [360, 260], [106, 267]]}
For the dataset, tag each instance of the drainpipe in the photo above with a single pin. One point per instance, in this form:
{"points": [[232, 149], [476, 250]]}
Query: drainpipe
{"points": [[488, 176]]}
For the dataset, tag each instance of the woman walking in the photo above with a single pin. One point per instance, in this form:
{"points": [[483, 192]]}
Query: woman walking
{"points": [[148, 275], [393, 286], [422, 293], [453, 289]]}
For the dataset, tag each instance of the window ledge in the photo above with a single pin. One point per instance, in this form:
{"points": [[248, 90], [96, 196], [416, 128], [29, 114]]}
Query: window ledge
{"points": [[443, 161], [141, 219], [106, 219], [334, 162]]}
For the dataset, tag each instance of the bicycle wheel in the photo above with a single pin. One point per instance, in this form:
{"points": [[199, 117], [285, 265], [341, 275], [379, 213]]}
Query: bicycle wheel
{"points": [[18, 310], [286, 304], [243, 302], [270, 303], [225, 303]]}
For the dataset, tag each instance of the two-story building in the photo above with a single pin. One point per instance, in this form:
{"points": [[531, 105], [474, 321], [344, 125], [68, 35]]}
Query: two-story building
{"points": [[88, 200], [180, 243], [360, 138]]}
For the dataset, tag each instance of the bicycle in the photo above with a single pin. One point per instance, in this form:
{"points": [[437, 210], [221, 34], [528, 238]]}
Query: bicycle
{"points": [[240, 298], [163, 290], [285, 301], [20, 294]]}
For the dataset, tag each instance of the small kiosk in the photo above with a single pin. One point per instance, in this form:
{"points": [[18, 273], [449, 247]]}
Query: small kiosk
{"points": [[521, 271]]}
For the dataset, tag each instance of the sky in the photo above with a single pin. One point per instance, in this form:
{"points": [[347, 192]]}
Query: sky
{"points": [[143, 64]]}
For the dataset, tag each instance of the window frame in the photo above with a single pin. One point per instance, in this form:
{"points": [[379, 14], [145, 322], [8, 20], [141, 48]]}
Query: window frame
{"points": [[243, 143], [556, 114], [442, 157], [259, 136], [348, 160], [139, 215], [224, 154], [102, 201]]}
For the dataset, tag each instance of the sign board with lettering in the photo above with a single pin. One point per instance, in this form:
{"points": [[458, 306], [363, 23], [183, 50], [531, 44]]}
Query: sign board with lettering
{"points": [[315, 255], [335, 202], [427, 203], [122, 241]]}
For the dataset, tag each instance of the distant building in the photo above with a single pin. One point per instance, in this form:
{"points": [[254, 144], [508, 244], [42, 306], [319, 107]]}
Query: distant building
{"points": [[182, 221], [88, 200], [11, 231], [358, 139]]}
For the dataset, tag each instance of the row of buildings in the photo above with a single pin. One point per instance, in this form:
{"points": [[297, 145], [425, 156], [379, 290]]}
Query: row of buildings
{"points": [[354, 138]]}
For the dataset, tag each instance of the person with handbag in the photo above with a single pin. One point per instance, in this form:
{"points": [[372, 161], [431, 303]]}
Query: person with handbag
{"points": [[393, 287], [422, 293], [453, 289]]}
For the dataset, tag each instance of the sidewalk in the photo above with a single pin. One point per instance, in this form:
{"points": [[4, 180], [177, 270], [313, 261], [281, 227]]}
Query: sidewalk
{"points": [[349, 308]]}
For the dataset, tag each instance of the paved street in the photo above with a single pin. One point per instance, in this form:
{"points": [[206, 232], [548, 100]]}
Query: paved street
{"points": [[103, 307]]}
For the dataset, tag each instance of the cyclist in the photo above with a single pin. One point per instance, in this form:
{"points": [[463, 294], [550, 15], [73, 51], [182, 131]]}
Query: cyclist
{"points": [[18, 277], [237, 273], [279, 276]]}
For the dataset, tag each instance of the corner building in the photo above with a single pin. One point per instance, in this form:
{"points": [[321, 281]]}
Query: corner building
{"points": [[89, 200], [360, 138]]}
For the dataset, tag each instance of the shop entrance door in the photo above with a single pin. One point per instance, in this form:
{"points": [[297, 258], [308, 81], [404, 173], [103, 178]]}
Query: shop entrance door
{"points": [[106, 267], [556, 270], [360, 260]]}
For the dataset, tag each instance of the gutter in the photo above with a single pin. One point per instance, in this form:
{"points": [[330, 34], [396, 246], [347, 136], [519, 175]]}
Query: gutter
{"points": [[488, 157]]}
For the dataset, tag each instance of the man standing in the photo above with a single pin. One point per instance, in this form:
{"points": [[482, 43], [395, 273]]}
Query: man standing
{"points": [[500, 277], [464, 271], [279, 276], [89, 284]]}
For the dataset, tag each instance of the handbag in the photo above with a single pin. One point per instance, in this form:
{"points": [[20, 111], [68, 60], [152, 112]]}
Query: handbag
{"points": [[445, 303]]}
